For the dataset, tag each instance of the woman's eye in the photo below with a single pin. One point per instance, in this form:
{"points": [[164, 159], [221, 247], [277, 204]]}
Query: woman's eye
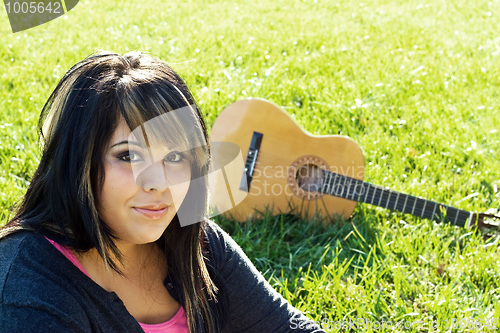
{"points": [[173, 157], [131, 156]]}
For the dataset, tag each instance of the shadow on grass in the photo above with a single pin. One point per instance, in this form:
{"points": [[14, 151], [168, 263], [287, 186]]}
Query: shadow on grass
{"points": [[283, 246], [370, 267]]}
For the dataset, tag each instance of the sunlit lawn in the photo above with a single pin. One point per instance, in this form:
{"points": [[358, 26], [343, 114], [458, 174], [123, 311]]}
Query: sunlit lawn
{"points": [[415, 83]]}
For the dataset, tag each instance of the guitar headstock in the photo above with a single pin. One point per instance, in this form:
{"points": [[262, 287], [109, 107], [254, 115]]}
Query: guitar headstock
{"points": [[490, 219]]}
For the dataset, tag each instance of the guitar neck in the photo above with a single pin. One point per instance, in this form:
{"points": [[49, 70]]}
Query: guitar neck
{"points": [[360, 191]]}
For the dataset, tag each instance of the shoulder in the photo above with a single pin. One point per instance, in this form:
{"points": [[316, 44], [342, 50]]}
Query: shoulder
{"points": [[221, 248], [213, 233], [28, 265], [41, 290], [33, 281], [230, 266], [14, 249], [20, 248], [15, 240], [31, 295], [225, 258], [252, 304]]}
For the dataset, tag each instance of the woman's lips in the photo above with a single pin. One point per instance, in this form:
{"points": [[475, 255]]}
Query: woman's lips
{"points": [[152, 212]]}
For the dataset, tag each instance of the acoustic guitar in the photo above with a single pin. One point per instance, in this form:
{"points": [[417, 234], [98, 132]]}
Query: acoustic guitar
{"points": [[287, 170]]}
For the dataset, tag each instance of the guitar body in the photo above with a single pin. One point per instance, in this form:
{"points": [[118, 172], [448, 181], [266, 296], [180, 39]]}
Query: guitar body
{"points": [[286, 155]]}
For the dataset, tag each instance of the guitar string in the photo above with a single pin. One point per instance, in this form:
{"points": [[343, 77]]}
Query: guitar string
{"points": [[455, 215]]}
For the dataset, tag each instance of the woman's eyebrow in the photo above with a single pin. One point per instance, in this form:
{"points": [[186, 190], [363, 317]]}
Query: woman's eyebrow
{"points": [[126, 142]]}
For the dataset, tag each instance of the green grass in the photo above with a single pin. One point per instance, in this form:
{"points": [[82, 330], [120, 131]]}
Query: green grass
{"points": [[415, 83]]}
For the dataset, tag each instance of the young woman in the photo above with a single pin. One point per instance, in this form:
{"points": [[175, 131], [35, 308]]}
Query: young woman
{"points": [[111, 234]]}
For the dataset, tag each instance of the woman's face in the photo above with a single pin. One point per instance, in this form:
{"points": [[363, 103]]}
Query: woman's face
{"points": [[137, 199]]}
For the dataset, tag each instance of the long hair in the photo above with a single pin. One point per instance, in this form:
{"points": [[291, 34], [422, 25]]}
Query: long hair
{"points": [[76, 124]]}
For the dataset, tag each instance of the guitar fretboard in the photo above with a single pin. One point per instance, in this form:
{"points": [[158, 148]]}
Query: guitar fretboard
{"points": [[360, 191]]}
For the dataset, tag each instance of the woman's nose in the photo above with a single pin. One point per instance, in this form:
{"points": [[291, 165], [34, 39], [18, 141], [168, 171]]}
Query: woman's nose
{"points": [[154, 177]]}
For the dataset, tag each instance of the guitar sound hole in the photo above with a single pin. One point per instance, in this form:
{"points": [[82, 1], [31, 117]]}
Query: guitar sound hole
{"points": [[309, 178]]}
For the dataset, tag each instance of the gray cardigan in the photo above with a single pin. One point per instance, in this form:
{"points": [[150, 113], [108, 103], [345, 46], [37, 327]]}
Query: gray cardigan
{"points": [[42, 291]]}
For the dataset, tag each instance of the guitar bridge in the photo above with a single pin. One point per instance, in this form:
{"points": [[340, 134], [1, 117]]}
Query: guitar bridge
{"points": [[253, 152]]}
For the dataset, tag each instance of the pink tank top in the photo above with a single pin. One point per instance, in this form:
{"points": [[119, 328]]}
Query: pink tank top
{"points": [[176, 324]]}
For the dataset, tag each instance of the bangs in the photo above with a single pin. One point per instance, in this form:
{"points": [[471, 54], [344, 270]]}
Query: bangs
{"points": [[155, 118]]}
